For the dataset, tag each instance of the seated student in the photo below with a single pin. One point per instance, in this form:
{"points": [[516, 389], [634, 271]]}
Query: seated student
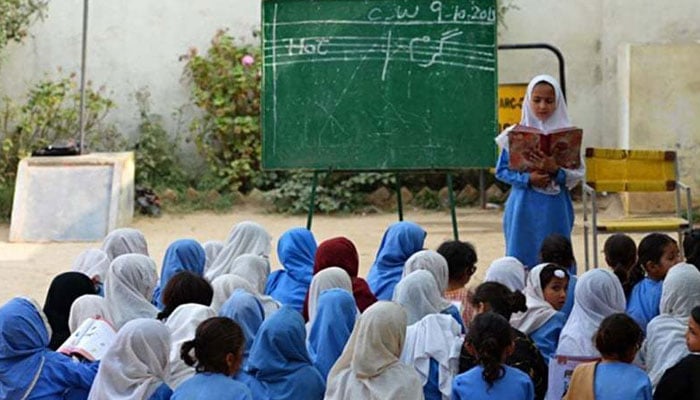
{"points": [[129, 287], [94, 263], [665, 344], [691, 247], [598, 295], [218, 352], [369, 367], [28, 368], [184, 288], [461, 266], [87, 306], [614, 377], [507, 271], [490, 340], [329, 278], [399, 242], [493, 296], [545, 292], [124, 241], [621, 256], [247, 311], [279, 359], [65, 288], [246, 237], [681, 380], [436, 264], [256, 269], [143, 345], [657, 253], [296, 249], [212, 249], [181, 255], [225, 285], [557, 249]]}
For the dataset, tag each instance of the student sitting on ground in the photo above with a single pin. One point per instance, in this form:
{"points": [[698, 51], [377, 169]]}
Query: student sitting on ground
{"points": [[681, 380]]}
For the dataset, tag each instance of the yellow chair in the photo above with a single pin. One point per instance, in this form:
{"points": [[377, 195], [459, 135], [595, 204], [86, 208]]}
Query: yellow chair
{"points": [[617, 171]]}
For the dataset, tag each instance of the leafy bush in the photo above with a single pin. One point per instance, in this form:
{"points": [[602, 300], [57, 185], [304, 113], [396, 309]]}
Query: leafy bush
{"points": [[226, 86], [16, 16]]}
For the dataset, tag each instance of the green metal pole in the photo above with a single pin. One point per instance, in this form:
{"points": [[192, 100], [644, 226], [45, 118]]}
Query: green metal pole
{"points": [[312, 202], [451, 193], [398, 196]]}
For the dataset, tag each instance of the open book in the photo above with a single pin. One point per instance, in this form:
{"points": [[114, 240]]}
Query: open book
{"points": [[563, 144], [91, 340]]}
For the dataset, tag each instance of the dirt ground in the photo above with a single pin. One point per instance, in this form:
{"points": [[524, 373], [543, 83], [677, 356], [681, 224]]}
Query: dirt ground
{"points": [[27, 268]]}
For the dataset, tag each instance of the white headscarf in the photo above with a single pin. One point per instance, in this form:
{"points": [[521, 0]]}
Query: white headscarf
{"points": [[665, 343], [508, 271], [598, 295], [437, 337], [224, 286], [558, 119], [124, 241], [131, 280], [136, 364], [245, 238], [92, 262], [436, 264], [212, 249], [329, 278], [539, 311], [419, 295], [256, 269], [87, 306], [183, 323], [369, 367]]}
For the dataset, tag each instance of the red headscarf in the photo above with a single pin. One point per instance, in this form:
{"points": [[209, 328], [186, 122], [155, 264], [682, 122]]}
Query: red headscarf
{"points": [[341, 252]]}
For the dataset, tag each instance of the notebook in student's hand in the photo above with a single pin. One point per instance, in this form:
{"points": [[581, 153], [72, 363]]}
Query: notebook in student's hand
{"points": [[91, 340], [563, 144]]}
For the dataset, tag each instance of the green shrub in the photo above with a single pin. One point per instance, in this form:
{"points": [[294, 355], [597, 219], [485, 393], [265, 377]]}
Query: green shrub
{"points": [[16, 16]]}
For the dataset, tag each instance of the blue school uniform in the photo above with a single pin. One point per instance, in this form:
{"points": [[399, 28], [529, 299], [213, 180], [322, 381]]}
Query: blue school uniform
{"points": [[431, 389], [531, 216], [617, 380], [453, 311], [280, 362], [25, 357], [181, 255], [296, 250], [248, 312], [514, 385], [643, 303], [400, 241], [546, 337], [335, 318], [209, 386]]}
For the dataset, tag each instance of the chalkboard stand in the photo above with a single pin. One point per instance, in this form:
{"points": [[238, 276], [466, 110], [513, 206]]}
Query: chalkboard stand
{"points": [[399, 200]]}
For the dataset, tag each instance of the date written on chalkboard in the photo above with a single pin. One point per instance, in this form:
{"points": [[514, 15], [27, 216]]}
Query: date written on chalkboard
{"points": [[443, 13]]}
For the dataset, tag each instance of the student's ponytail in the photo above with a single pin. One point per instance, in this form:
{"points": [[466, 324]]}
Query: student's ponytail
{"points": [[499, 299], [517, 301], [185, 353], [490, 335], [621, 254]]}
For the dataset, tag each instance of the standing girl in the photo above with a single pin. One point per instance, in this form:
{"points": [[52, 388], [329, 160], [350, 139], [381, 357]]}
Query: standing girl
{"points": [[491, 341], [539, 203], [218, 353]]}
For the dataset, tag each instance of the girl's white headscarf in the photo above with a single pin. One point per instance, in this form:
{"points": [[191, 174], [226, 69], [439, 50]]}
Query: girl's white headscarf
{"points": [[136, 364], [183, 323], [328, 278], [94, 263], [224, 286], [369, 367], [419, 295], [212, 249], [245, 238], [436, 264], [508, 271], [256, 269], [124, 241], [665, 343], [131, 280], [539, 311], [87, 306], [598, 295]]}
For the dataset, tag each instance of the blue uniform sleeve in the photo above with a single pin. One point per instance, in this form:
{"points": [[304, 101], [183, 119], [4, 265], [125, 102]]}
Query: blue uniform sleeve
{"points": [[454, 313], [62, 371], [560, 177], [162, 393], [507, 175], [546, 337]]}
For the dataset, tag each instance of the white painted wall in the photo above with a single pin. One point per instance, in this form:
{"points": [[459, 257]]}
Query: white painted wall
{"points": [[136, 43]]}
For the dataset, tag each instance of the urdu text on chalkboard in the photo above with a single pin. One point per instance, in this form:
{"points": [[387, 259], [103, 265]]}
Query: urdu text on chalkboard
{"points": [[379, 84]]}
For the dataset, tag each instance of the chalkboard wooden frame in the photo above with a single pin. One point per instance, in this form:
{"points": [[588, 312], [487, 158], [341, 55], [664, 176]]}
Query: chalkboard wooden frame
{"points": [[385, 85]]}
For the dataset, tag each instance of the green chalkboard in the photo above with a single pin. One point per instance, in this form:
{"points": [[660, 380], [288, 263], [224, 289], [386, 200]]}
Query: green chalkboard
{"points": [[379, 84]]}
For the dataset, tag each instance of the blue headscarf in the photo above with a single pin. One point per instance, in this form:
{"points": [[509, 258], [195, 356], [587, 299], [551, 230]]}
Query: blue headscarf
{"points": [[248, 312], [181, 255], [335, 319], [24, 337], [296, 250], [400, 241], [280, 361]]}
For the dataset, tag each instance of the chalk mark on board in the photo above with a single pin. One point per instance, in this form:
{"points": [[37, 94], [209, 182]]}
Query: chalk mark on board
{"points": [[395, 23], [388, 55], [274, 83], [333, 59], [445, 36]]}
